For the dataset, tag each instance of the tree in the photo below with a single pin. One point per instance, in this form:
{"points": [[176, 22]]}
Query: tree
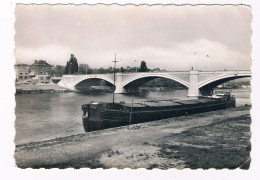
{"points": [[143, 67], [122, 70], [72, 65], [59, 70], [67, 68]]}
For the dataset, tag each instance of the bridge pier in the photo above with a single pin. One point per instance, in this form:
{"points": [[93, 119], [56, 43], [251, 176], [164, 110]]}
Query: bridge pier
{"points": [[67, 82], [119, 90], [119, 84], [193, 90]]}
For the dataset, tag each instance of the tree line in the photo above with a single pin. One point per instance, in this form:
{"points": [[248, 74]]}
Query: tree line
{"points": [[72, 67], [88, 70]]}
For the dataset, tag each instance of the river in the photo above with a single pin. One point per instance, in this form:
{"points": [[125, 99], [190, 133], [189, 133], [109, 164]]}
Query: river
{"points": [[50, 115]]}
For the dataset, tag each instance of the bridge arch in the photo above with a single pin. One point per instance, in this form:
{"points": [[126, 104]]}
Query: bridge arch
{"points": [[215, 81], [82, 79], [151, 76]]}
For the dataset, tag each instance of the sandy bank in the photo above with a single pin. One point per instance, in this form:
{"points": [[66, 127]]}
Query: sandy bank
{"points": [[219, 139]]}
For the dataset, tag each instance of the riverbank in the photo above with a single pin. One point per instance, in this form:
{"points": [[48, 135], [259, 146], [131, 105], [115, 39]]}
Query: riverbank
{"points": [[219, 139], [39, 88]]}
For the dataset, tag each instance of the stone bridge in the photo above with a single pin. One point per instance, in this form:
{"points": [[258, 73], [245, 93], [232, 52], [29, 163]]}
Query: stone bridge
{"points": [[195, 81]]}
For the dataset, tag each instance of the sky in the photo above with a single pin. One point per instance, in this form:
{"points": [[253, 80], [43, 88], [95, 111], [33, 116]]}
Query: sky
{"points": [[169, 37]]}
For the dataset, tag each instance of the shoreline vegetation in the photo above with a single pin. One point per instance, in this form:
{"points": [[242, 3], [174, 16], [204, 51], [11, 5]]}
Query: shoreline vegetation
{"points": [[218, 139]]}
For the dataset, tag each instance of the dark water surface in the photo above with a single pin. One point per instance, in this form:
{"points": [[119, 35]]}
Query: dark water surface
{"points": [[50, 115]]}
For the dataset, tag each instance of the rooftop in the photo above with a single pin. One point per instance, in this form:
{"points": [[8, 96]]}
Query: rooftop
{"points": [[40, 63]]}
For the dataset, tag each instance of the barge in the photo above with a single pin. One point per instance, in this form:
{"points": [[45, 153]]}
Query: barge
{"points": [[102, 115]]}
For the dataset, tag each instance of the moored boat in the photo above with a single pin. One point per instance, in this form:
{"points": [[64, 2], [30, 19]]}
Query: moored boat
{"points": [[103, 115]]}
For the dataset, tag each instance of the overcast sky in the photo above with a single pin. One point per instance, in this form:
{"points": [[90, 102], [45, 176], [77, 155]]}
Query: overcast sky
{"points": [[168, 37]]}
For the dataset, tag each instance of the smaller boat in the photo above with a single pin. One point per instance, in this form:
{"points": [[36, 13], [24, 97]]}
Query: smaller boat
{"points": [[103, 115]]}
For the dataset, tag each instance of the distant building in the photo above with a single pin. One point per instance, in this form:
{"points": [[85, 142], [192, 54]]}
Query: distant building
{"points": [[40, 67], [43, 79], [22, 71], [38, 72]]}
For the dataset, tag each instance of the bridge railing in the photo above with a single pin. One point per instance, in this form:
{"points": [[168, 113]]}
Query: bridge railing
{"points": [[164, 72]]}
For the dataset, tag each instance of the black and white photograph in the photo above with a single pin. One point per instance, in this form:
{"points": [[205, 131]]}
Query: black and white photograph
{"points": [[127, 86]]}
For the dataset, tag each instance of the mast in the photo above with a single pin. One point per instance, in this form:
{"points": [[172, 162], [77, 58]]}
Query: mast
{"points": [[114, 79]]}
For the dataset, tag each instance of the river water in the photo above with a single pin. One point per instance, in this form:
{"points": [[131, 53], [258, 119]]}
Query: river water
{"points": [[51, 115]]}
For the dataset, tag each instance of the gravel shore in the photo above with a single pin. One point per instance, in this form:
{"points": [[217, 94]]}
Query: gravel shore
{"points": [[219, 139]]}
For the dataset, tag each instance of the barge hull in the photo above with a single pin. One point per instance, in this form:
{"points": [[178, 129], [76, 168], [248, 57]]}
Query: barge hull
{"points": [[103, 119]]}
